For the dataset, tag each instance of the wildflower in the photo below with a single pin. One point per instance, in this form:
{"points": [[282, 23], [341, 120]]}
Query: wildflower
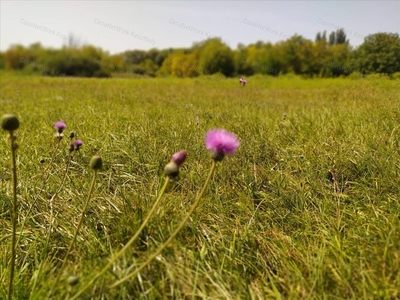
{"points": [[172, 168], [60, 126], [221, 142], [96, 162], [78, 144], [73, 280], [9, 122], [179, 157], [242, 81], [75, 145]]}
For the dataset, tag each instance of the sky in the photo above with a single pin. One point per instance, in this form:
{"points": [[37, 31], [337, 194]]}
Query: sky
{"points": [[117, 26]]}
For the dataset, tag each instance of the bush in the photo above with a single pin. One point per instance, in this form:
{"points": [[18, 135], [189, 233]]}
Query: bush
{"points": [[396, 75], [355, 75]]}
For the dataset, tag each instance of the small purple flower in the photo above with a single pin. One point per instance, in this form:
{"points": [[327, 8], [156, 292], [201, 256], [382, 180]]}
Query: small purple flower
{"points": [[75, 145], [179, 157], [78, 144], [60, 126], [221, 142]]}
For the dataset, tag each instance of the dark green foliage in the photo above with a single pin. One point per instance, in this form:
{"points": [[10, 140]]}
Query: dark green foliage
{"points": [[330, 56], [216, 57], [380, 53]]}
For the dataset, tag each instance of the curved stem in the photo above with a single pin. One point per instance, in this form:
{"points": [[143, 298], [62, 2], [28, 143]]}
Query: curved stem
{"points": [[120, 252], [76, 231], [53, 155], [46, 178], [52, 219], [14, 213], [176, 231]]}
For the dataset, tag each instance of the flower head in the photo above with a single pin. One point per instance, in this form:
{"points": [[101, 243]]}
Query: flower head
{"points": [[60, 126], [172, 170], [78, 144], [221, 142], [9, 122], [75, 145], [96, 163], [179, 157]]}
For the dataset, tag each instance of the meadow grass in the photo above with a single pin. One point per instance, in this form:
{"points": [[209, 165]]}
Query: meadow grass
{"points": [[308, 207]]}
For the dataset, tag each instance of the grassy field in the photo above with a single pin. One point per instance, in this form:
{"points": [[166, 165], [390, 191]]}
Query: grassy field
{"points": [[307, 208]]}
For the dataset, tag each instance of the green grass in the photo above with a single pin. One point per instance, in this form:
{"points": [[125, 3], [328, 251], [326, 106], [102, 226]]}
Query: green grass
{"points": [[308, 207]]}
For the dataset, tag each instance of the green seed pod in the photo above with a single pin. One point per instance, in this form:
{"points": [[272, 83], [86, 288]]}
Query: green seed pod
{"points": [[9, 122], [73, 280], [96, 162], [171, 170]]}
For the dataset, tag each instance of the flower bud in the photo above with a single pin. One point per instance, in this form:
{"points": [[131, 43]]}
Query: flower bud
{"points": [[78, 144], [179, 157], [9, 122], [73, 280], [72, 135], [96, 162], [171, 170]]}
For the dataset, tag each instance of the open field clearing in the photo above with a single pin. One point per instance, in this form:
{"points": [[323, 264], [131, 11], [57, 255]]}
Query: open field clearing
{"points": [[307, 208]]}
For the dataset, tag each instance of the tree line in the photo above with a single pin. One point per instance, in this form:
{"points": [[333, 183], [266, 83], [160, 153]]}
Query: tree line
{"points": [[326, 56]]}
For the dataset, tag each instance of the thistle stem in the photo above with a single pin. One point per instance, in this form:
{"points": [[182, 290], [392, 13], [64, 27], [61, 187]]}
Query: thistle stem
{"points": [[76, 231], [52, 219], [53, 155], [116, 256], [14, 214], [176, 231]]}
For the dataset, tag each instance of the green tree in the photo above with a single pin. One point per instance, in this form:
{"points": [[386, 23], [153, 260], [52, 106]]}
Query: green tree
{"points": [[341, 37], [379, 53], [292, 53], [216, 57], [242, 63]]}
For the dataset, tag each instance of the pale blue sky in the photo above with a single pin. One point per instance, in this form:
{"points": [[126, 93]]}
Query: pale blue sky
{"points": [[116, 26]]}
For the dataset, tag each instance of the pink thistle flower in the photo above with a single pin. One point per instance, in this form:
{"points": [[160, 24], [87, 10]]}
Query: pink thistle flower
{"points": [[221, 142], [60, 126], [179, 157], [75, 145], [78, 144]]}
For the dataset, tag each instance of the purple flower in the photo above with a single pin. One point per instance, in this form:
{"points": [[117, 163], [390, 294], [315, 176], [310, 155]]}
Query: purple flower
{"points": [[78, 144], [60, 126], [179, 157], [75, 145], [221, 142]]}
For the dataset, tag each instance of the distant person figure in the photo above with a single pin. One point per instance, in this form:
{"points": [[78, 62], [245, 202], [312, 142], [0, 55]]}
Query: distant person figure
{"points": [[242, 81]]}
